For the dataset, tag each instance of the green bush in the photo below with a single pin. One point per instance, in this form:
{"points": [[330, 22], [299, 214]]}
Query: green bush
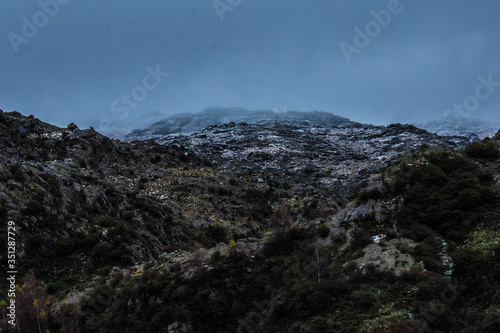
{"points": [[311, 298], [100, 251], [107, 222], [363, 299], [442, 193], [361, 238], [323, 230], [18, 172], [368, 194], [34, 207], [483, 149], [216, 234]]}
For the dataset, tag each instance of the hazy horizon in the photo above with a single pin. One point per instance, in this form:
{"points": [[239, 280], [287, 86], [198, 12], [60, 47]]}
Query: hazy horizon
{"points": [[119, 65]]}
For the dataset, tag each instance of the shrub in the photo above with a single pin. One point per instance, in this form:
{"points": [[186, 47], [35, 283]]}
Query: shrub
{"points": [[470, 263], [310, 209], [3, 210], [443, 195], [363, 299], [483, 149], [18, 172], [34, 207], [99, 251], [429, 255], [368, 194], [323, 231], [34, 243], [107, 222], [282, 237], [33, 304], [399, 328], [311, 298], [216, 233], [361, 238]]}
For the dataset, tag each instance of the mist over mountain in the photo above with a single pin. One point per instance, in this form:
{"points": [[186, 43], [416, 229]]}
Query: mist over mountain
{"points": [[260, 55], [474, 129], [192, 122], [183, 123]]}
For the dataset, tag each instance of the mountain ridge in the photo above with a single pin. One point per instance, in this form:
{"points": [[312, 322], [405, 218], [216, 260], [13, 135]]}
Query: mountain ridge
{"points": [[473, 129], [193, 122], [305, 227]]}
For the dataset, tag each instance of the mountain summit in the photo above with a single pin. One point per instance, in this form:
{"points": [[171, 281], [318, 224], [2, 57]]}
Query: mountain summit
{"points": [[194, 122]]}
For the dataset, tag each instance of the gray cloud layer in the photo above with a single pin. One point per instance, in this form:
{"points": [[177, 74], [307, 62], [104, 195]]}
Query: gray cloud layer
{"points": [[84, 61]]}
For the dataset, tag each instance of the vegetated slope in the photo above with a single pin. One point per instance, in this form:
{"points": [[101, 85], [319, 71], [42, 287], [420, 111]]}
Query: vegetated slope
{"points": [[75, 196], [162, 238]]}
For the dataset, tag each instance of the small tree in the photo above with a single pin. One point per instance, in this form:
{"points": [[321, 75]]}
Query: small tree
{"points": [[282, 226], [318, 244], [76, 312], [33, 304], [199, 258]]}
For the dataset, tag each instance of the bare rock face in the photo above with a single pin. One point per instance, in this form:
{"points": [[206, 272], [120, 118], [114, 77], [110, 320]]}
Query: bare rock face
{"points": [[497, 136], [391, 256], [473, 129], [337, 159], [60, 183]]}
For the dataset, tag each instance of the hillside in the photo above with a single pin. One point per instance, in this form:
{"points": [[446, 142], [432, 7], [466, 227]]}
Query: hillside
{"points": [[194, 122], [252, 227], [473, 129]]}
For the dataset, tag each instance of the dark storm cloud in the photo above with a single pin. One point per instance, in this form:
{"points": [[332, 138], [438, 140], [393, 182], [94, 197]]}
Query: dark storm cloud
{"points": [[89, 62]]}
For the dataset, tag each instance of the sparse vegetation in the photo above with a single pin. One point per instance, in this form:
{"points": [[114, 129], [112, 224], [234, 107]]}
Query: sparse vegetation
{"points": [[179, 244]]}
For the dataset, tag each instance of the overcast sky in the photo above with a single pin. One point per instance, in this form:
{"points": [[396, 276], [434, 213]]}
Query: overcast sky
{"points": [[119, 64]]}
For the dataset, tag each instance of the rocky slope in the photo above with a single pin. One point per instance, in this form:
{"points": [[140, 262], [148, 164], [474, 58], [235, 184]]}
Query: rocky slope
{"points": [[268, 227], [473, 129], [336, 159], [194, 122], [58, 183]]}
